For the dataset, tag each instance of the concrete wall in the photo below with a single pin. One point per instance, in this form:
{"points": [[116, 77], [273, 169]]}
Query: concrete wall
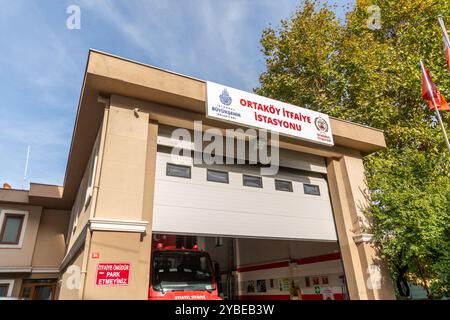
{"points": [[22, 257], [349, 197], [124, 197], [121, 192], [223, 255], [118, 247], [67, 288], [50, 242]]}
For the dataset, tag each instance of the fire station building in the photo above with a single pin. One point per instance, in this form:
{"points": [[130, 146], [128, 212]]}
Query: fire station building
{"points": [[297, 234]]}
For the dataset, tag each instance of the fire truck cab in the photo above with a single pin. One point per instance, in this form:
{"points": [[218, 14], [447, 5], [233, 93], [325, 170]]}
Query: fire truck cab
{"points": [[181, 274]]}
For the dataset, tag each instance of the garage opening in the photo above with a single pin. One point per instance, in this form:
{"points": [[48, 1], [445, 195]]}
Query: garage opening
{"points": [[204, 267], [258, 236]]}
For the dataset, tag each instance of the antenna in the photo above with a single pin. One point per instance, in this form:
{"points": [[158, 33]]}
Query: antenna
{"points": [[26, 167]]}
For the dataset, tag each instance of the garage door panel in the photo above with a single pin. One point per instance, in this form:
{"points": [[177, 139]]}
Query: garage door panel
{"points": [[232, 199], [216, 222], [198, 206]]}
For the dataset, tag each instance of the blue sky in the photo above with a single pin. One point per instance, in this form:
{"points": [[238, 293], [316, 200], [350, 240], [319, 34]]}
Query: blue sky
{"points": [[42, 62]]}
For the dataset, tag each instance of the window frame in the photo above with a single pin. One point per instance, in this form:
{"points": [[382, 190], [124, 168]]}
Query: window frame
{"points": [[291, 189], [11, 212], [219, 171], [4, 224], [312, 185], [252, 176], [178, 165], [10, 283]]}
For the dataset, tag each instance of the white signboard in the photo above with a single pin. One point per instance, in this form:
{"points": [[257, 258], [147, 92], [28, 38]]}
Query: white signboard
{"points": [[237, 106]]}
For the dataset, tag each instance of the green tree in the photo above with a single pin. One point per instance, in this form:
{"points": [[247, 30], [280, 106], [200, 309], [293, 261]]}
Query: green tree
{"points": [[372, 76]]}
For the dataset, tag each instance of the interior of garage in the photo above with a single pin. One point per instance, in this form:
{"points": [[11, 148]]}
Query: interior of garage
{"points": [[265, 269]]}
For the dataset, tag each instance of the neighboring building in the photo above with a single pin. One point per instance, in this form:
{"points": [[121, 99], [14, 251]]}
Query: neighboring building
{"points": [[32, 241], [296, 235]]}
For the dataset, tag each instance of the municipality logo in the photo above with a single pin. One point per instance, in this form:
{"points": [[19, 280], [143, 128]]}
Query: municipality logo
{"points": [[225, 97], [321, 124]]}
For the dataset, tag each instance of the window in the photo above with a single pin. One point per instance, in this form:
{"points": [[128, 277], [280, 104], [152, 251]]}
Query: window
{"points": [[217, 176], [252, 181], [176, 270], [283, 185], [311, 189], [11, 228], [6, 287], [176, 170]]}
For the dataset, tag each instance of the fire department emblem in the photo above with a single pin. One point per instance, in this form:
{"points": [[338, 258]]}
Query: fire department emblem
{"points": [[321, 124], [225, 97]]}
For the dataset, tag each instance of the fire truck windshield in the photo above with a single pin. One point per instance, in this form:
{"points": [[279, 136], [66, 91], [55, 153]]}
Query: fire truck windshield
{"points": [[182, 271]]}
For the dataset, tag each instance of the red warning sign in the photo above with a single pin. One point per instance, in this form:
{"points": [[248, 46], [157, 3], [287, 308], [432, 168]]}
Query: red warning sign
{"points": [[112, 274]]}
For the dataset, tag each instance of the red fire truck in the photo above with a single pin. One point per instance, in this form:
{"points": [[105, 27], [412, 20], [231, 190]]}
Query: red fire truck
{"points": [[181, 274]]}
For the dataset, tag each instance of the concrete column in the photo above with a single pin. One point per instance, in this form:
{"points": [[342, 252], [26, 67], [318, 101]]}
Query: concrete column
{"points": [[121, 223], [366, 274]]}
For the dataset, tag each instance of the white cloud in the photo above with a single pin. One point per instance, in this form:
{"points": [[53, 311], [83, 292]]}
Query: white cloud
{"points": [[215, 40]]}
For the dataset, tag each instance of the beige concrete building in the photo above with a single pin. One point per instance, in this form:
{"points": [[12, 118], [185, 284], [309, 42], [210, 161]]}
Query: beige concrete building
{"points": [[123, 190]]}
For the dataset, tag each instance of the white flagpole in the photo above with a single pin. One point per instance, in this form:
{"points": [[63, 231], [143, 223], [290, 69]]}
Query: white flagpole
{"points": [[435, 106], [444, 31], [26, 167]]}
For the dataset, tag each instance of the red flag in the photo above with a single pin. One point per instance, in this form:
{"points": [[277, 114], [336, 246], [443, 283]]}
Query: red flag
{"points": [[442, 105], [446, 42], [427, 84]]}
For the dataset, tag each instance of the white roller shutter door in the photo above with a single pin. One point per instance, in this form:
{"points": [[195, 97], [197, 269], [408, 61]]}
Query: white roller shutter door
{"points": [[198, 206]]}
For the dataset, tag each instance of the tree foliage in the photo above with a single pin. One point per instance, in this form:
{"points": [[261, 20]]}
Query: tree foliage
{"points": [[372, 77]]}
